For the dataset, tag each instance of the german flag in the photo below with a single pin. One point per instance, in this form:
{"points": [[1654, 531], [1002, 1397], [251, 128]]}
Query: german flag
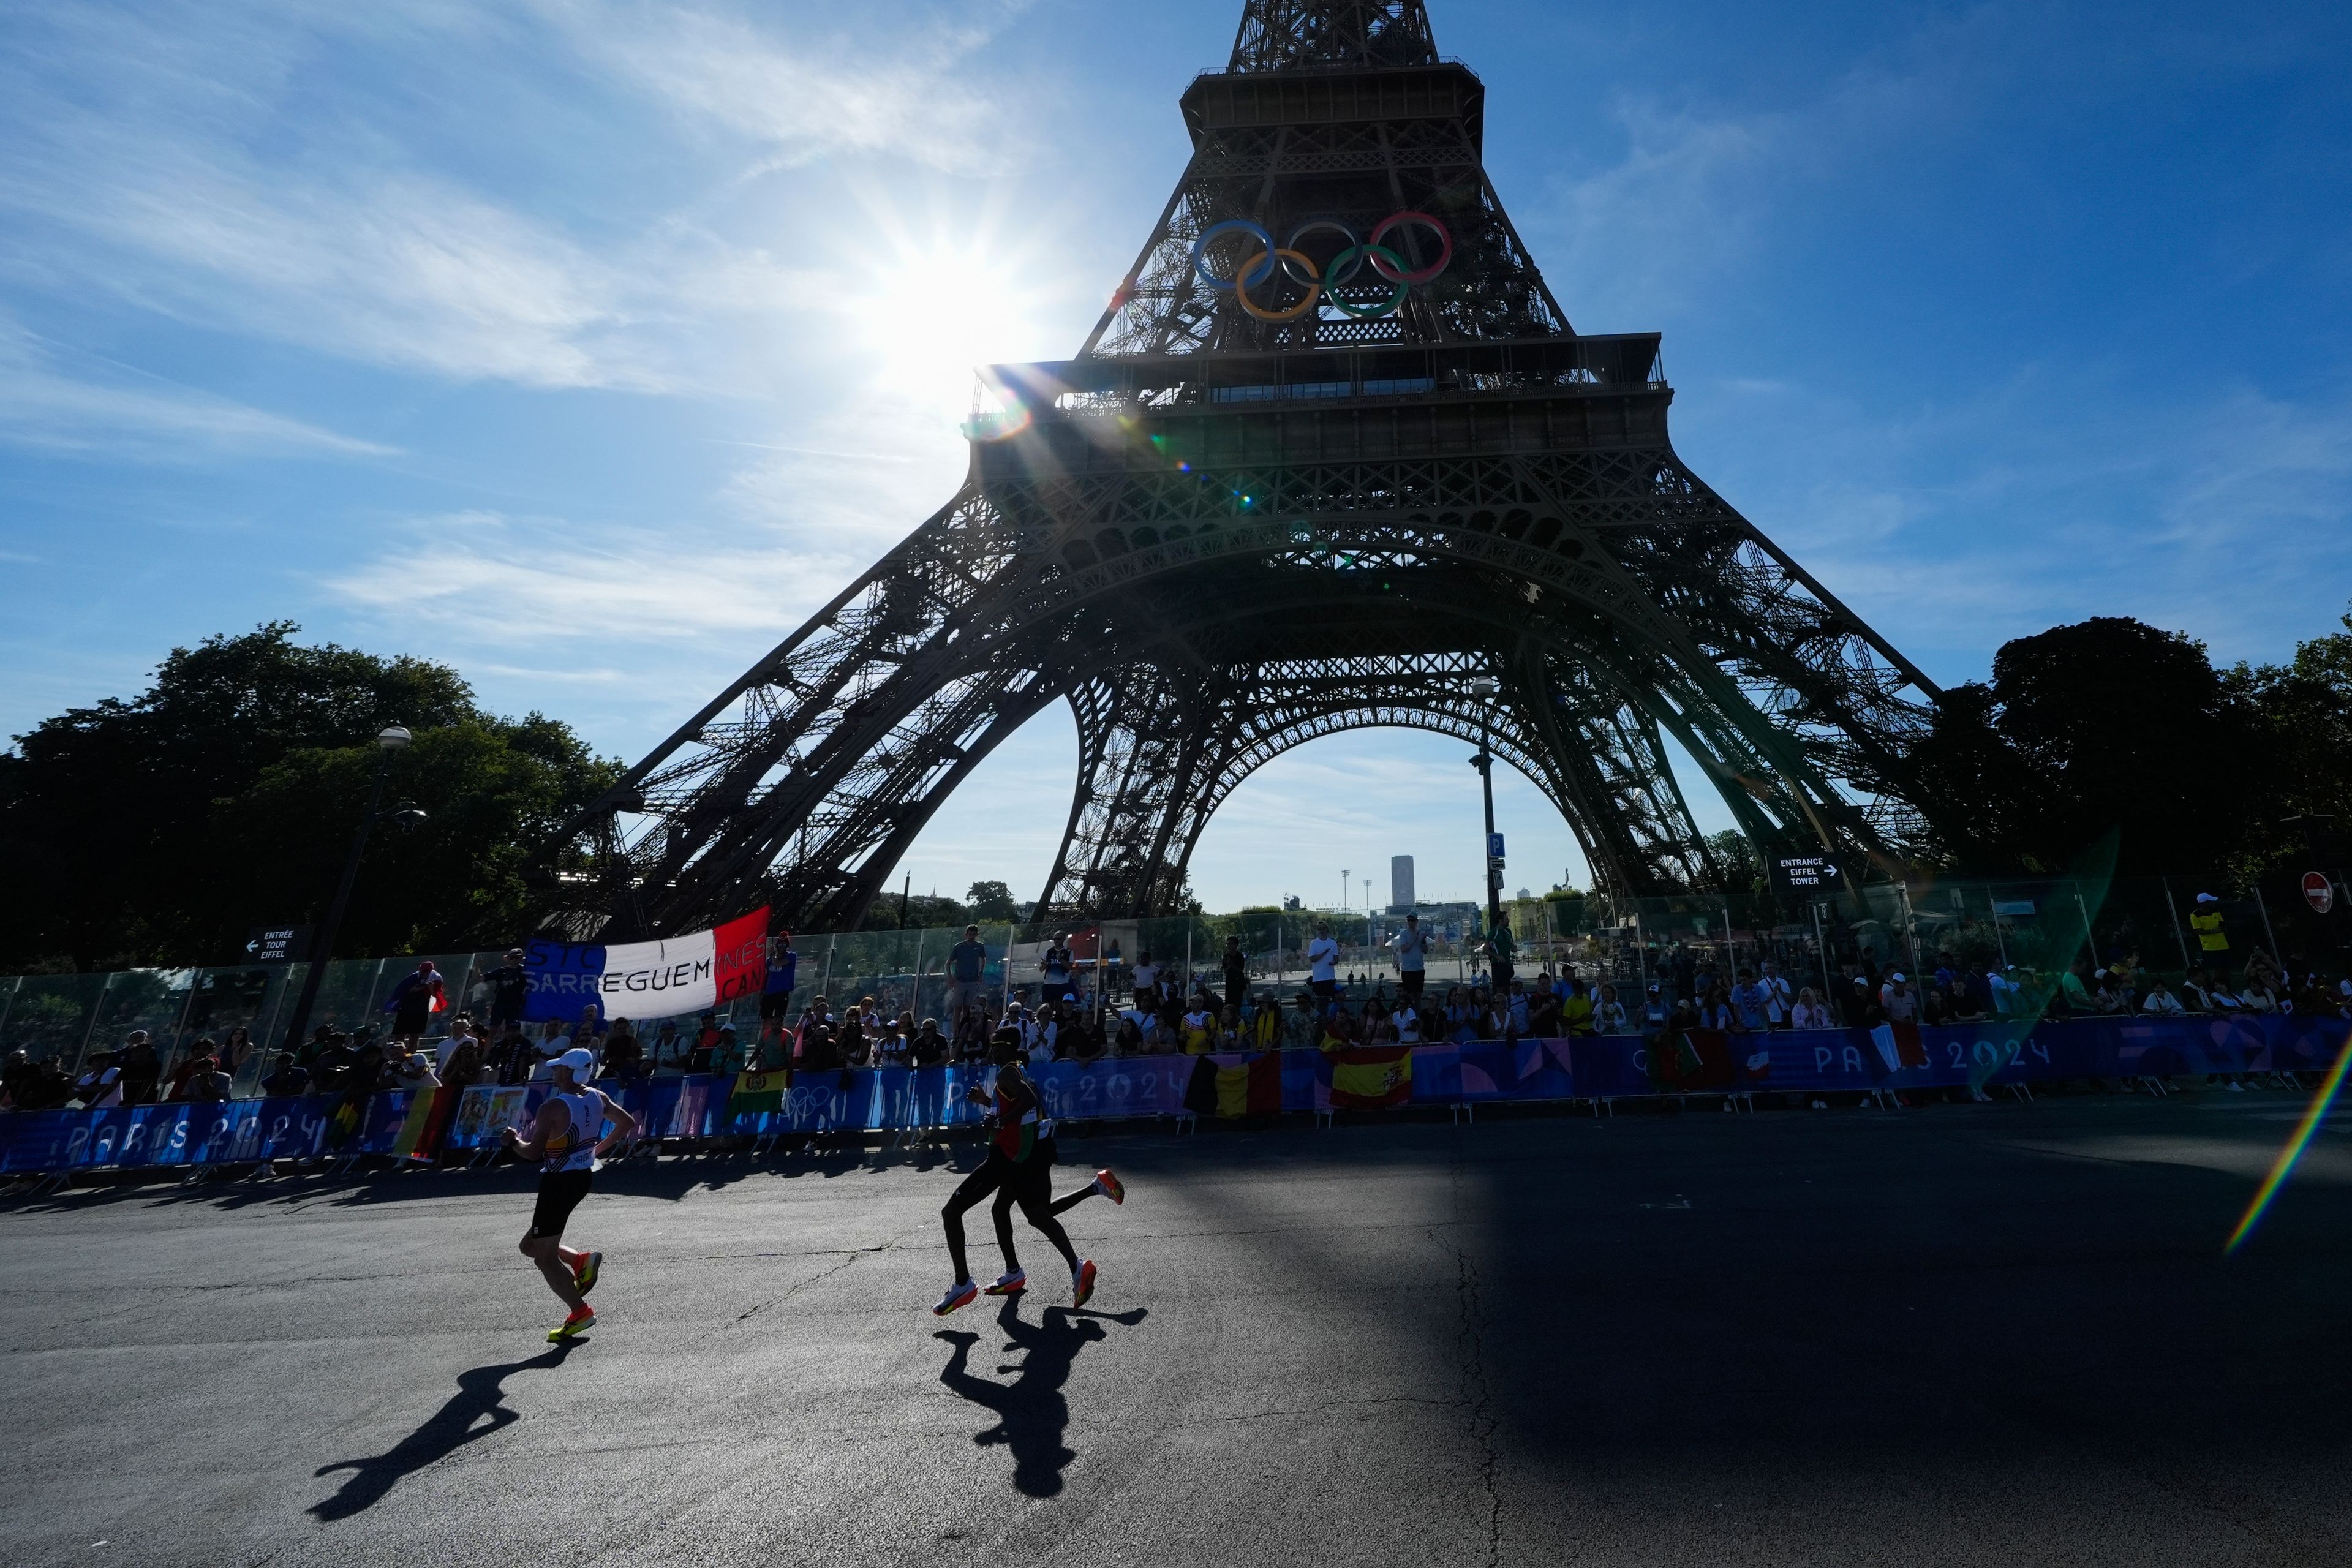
{"points": [[427, 1122], [1378, 1079], [1248, 1085]]}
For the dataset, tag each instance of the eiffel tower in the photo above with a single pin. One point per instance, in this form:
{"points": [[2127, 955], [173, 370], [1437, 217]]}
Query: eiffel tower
{"points": [[1332, 458]]}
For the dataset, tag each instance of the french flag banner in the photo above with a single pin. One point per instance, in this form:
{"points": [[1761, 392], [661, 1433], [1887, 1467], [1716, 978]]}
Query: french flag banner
{"points": [[690, 973]]}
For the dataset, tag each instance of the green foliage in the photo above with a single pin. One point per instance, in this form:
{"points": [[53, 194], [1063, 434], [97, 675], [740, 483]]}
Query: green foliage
{"points": [[162, 827], [2114, 727], [992, 903], [923, 909]]}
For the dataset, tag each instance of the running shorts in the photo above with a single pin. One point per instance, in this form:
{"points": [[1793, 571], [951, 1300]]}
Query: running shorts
{"points": [[1026, 1180], [560, 1192]]}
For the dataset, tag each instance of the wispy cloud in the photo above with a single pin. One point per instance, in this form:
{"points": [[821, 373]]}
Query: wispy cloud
{"points": [[509, 582], [132, 416], [144, 156], [800, 100]]}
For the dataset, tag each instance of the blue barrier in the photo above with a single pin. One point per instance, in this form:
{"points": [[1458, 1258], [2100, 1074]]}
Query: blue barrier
{"points": [[1119, 1088]]}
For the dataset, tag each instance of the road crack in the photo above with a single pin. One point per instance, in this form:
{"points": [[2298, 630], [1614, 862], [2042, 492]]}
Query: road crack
{"points": [[817, 1279]]}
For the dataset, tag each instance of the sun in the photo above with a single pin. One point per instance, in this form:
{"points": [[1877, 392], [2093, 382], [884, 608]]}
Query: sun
{"points": [[934, 312]]}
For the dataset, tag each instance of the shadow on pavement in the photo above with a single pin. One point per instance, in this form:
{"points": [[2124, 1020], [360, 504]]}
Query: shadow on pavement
{"points": [[1031, 1413], [480, 1394]]}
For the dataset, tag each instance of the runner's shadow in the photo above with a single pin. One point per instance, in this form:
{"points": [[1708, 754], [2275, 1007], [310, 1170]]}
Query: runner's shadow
{"points": [[1032, 1412], [451, 1427]]}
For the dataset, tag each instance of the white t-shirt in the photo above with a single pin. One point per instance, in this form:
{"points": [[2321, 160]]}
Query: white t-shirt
{"points": [[442, 1052], [1322, 957], [104, 1092], [1408, 1025], [1775, 996], [1808, 1016], [1146, 975], [2004, 994], [1412, 949]]}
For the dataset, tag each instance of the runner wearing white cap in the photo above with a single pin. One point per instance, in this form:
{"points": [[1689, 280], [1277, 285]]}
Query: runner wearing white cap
{"points": [[564, 1139]]}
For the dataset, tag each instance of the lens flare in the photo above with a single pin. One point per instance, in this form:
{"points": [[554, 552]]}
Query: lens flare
{"points": [[2284, 1166]]}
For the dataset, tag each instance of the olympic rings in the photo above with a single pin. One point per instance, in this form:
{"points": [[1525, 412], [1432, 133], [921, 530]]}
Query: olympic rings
{"points": [[1314, 288], [1345, 266], [1427, 274], [1231, 226], [1354, 256], [1317, 225]]}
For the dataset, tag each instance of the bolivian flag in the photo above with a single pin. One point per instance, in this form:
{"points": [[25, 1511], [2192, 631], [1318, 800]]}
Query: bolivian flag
{"points": [[1374, 1078], [757, 1093]]}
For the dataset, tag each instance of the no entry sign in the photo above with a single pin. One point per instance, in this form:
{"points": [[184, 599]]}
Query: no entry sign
{"points": [[2318, 891]]}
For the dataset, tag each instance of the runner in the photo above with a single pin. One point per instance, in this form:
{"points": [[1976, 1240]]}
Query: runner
{"points": [[1014, 1170], [563, 1140]]}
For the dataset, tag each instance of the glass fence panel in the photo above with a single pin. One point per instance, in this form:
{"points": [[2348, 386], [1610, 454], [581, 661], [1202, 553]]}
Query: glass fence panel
{"points": [[49, 1016]]}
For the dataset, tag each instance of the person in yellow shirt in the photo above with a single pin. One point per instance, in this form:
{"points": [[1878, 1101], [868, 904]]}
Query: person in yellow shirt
{"points": [[2213, 935], [1198, 1029], [1576, 1011]]}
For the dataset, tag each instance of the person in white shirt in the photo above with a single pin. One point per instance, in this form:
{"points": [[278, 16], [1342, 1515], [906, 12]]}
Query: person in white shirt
{"points": [[1809, 1013], [2161, 1003], [100, 1088], [1407, 1019], [1322, 963], [1412, 946], [1896, 996], [1147, 983], [2004, 993], [552, 1043], [1778, 995], [461, 1030], [1609, 1014]]}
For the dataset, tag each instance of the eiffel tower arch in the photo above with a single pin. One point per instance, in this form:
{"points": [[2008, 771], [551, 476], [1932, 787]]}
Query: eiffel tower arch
{"points": [[1333, 457]]}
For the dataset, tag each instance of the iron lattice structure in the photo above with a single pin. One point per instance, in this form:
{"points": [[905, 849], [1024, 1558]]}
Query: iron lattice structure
{"points": [[1216, 534]]}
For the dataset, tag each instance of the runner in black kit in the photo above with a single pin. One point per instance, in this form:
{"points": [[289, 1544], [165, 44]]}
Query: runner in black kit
{"points": [[1020, 1171], [563, 1140]]}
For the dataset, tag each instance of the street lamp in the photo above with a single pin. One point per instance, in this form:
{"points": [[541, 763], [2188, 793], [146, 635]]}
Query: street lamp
{"points": [[391, 739], [1487, 686]]}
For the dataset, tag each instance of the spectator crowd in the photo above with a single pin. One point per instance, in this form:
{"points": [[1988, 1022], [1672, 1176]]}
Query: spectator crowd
{"points": [[1160, 1009]]}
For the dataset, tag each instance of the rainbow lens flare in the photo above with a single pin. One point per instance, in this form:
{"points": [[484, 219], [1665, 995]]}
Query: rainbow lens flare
{"points": [[2284, 1166]]}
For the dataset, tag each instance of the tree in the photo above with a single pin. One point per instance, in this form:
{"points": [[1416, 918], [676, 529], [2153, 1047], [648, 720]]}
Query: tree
{"points": [[923, 909], [2109, 726], [161, 828], [992, 903]]}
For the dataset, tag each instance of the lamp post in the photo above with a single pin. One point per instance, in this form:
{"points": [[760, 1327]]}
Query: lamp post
{"points": [[1485, 762], [323, 945]]}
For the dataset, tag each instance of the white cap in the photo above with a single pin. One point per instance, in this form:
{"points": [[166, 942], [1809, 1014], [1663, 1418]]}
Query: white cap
{"points": [[578, 1059], [1897, 977]]}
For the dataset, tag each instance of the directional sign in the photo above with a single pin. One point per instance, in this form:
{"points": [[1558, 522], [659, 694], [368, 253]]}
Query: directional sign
{"points": [[1808, 873], [2318, 891], [278, 944]]}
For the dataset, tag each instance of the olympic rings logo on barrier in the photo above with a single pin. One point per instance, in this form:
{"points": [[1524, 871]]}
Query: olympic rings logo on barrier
{"points": [[1345, 266]]}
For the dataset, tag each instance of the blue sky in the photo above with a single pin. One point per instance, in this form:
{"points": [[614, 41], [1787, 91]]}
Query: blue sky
{"points": [[589, 346]]}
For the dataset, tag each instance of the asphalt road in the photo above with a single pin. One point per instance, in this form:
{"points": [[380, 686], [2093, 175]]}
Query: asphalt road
{"points": [[1991, 1335]]}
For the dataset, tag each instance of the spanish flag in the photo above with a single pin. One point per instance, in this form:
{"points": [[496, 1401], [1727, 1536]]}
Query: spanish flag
{"points": [[1377, 1079], [757, 1093]]}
